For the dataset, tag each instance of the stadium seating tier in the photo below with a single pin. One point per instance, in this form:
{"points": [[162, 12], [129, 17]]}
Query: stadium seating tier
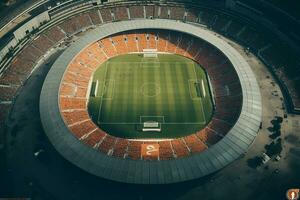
{"points": [[74, 88]]}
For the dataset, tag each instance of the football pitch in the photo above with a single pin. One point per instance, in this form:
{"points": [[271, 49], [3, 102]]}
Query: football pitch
{"points": [[170, 90]]}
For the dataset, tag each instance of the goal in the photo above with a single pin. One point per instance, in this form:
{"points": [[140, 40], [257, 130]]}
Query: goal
{"points": [[151, 126], [94, 88], [150, 53]]}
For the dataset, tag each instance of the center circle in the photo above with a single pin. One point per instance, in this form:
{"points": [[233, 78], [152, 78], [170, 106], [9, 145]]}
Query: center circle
{"points": [[150, 89]]}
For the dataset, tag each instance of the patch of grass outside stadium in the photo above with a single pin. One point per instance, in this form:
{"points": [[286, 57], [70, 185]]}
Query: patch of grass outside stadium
{"points": [[170, 89]]}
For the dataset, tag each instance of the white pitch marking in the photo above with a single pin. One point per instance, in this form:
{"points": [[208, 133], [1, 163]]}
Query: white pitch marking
{"points": [[203, 88]]}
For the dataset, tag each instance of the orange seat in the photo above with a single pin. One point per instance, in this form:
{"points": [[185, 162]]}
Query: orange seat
{"points": [[55, 34], [195, 145], [208, 136], [43, 43], [120, 147], [108, 48], [136, 12], [7, 93], [165, 150], [134, 150], [120, 13], [179, 148], [94, 138], [67, 103], [106, 16], [94, 15], [75, 116], [107, 144], [83, 128], [67, 89], [177, 13], [131, 42]]}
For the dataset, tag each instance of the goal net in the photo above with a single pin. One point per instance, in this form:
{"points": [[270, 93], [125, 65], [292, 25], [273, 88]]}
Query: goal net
{"points": [[150, 53], [150, 123], [94, 88], [151, 126]]}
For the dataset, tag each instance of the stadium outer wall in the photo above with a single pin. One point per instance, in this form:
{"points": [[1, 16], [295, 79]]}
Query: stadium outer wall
{"points": [[231, 147]]}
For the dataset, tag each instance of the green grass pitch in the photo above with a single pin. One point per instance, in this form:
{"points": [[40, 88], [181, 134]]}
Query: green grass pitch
{"points": [[130, 89]]}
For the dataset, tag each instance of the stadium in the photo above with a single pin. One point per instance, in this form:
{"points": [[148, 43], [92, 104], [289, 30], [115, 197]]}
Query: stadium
{"points": [[128, 95]]}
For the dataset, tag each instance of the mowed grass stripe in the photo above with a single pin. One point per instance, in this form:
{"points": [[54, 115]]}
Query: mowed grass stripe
{"points": [[178, 94], [115, 106], [126, 113], [196, 104], [207, 99], [145, 84], [94, 100], [190, 104], [171, 92], [188, 114], [199, 103], [190, 109], [152, 110], [200, 77], [106, 104], [161, 107], [135, 94], [165, 101], [158, 98], [122, 114], [102, 90]]}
